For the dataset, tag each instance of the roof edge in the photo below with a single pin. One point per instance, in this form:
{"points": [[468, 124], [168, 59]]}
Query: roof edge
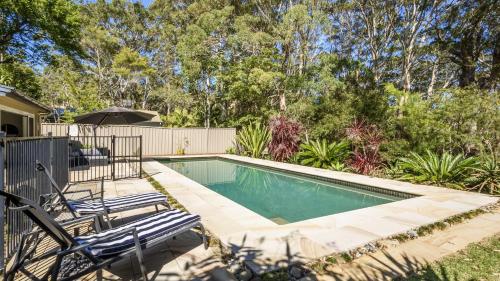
{"points": [[13, 91]]}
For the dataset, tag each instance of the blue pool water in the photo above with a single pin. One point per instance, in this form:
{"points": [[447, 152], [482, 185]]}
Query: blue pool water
{"points": [[279, 196]]}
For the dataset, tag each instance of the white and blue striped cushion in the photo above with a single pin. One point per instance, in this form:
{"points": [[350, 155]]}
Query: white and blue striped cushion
{"points": [[148, 229], [118, 203]]}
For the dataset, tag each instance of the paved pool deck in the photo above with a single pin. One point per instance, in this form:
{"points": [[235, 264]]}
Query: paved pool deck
{"points": [[182, 258], [266, 245]]}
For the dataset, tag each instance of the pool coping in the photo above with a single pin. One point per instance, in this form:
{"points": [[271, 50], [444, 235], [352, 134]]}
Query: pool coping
{"points": [[267, 243]]}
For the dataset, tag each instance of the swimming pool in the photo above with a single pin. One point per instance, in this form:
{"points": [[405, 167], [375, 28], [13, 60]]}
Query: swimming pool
{"points": [[281, 196]]}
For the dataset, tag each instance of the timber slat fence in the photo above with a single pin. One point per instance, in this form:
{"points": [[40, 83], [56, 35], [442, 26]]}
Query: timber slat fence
{"points": [[158, 141]]}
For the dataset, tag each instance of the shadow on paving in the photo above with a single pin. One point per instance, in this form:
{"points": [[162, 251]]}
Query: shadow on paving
{"points": [[392, 268]]}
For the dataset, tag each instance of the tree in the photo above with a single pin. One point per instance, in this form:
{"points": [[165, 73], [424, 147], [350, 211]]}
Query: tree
{"points": [[133, 76], [30, 28], [464, 30]]}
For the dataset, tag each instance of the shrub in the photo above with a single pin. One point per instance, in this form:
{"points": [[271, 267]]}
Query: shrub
{"points": [[285, 138], [339, 167], [321, 154], [486, 177], [366, 139], [253, 139], [365, 161], [444, 170]]}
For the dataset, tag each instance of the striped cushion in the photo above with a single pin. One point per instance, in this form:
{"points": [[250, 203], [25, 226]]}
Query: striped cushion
{"points": [[118, 203], [148, 228]]}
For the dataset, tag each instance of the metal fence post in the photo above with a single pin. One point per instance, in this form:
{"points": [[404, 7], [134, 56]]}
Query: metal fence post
{"points": [[51, 152], [2, 203], [113, 157], [140, 156]]}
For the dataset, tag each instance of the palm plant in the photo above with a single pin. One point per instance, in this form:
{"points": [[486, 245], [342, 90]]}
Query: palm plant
{"points": [[321, 154], [339, 167], [486, 176], [445, 170], [253, 140]]}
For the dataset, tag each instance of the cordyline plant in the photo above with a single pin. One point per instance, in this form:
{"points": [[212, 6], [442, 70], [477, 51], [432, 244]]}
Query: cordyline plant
{"points": [[366, 140], [285, 138]]}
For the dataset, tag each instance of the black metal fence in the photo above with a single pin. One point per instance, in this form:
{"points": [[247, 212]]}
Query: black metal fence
{"points": [[18, 157], [112, 157], [70, 159]]}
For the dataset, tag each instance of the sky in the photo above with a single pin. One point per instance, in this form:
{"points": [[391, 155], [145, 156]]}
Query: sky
{"points": [[145, 2]]}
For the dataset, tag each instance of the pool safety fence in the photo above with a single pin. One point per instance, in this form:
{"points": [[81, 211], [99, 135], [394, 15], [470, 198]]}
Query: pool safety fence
{"points": [[18, 158]]}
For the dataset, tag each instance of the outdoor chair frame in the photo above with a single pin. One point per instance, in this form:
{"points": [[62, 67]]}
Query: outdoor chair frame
{"points": [[47, 226], [51, 201]]}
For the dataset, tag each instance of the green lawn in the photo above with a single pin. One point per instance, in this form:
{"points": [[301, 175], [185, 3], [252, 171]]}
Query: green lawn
{"points": [[479, 261]]}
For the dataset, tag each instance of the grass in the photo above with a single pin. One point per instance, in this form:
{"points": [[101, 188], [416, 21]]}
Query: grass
{"points": [[321, 265], [479, 261]]}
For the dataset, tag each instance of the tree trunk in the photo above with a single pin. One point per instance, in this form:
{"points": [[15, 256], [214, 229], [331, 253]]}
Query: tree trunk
{"points": [[430, 89], [282, 102], [467, 72]]}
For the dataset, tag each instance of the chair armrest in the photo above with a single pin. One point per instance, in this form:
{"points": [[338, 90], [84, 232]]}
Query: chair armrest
{"points": [[80, 219], [82, 191]]}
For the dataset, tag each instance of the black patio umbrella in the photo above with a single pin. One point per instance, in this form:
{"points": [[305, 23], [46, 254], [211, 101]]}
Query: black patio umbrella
{"points": [[112, 116]]}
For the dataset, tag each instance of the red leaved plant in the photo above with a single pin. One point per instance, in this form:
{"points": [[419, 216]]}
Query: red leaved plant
{"points": [[285, 138], [366, 139]]}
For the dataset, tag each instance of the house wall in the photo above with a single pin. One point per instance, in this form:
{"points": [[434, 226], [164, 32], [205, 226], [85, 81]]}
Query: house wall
{"points": [[13, 109]]}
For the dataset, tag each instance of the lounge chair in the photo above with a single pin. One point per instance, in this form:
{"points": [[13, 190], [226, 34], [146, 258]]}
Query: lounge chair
{"points": [[96, 205], [98, 250]]}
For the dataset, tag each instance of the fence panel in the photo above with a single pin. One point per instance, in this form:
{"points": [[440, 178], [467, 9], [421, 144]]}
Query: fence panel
{"points": [[159, 141], [108, 157], [192, 141], [90, 158], [19, 156]]}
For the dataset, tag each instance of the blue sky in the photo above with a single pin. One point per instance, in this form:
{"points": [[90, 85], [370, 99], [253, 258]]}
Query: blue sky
{"points": [[145, 2]]}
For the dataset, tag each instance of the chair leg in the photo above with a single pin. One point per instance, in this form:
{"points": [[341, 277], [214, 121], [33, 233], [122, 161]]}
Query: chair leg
{"points": [[203, 236], [140, 257], [156, 206], [55, 268]]}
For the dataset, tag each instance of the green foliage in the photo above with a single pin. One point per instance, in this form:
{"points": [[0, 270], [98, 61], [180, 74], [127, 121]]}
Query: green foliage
{"points": [[21, 77], [29, 28], [444, 169], [65, 85], [479, 261], [486, 177], [321, 154], [179, 118], [339, 167], [454, 120], [253, 139]]}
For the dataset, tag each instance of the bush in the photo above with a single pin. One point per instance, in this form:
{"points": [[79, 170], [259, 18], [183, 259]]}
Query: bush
{"points": [[253, 139], [366, 139], [321, 154], [445, 170], [486, 177], [285, 138]]}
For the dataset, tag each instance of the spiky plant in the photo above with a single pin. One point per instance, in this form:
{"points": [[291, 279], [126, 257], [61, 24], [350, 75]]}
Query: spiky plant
{"points": [[285, 138], [339, 167], [444, 169], [253, 140], [321, 154], [486, 177]]}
